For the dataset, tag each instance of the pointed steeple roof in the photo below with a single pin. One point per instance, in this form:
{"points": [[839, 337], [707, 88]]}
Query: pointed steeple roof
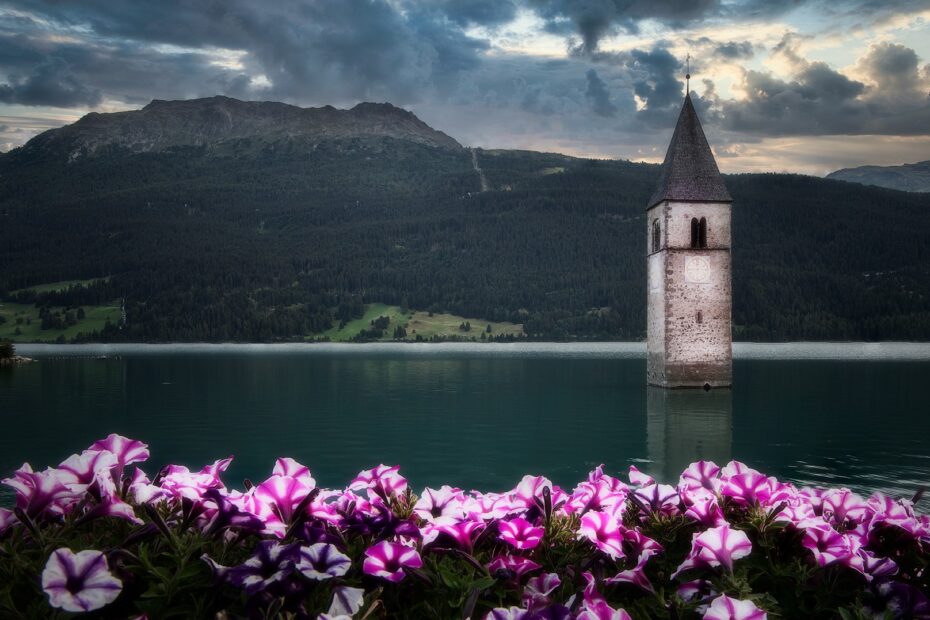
{"points": [[689, 172]]}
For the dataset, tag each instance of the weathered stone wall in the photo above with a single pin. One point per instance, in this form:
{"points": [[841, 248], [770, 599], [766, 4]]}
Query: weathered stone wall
{"points": [[655, 299], [689, 312]]}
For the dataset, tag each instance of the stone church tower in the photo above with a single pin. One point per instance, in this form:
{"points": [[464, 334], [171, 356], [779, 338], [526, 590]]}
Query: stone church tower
{"points": [[689, 336]]}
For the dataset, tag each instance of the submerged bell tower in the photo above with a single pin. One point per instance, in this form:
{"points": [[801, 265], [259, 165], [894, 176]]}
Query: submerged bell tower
{"points": [[689, 333]]}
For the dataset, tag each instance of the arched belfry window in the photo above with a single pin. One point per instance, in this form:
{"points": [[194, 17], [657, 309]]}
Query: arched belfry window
{"points": [[695, 232], [702, 234], [656, 236]]}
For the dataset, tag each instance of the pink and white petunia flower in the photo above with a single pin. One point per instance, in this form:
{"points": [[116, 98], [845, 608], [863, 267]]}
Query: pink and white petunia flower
{"points": [[603, 530], [699, 477], [443, 502], [512, 565], [79, 582], [289, 467], [381, 481], [726, 608], [717, 546], [126, 451], [827, 545], [520, 533], [388, 560], [446, 531], [638, 478]]}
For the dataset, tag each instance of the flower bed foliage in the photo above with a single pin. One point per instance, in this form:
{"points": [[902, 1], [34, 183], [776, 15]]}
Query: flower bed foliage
{"points": [[95, 534]]}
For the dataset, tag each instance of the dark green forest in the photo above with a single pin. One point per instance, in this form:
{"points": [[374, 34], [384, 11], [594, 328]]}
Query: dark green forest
{"points": [[220, 246]]}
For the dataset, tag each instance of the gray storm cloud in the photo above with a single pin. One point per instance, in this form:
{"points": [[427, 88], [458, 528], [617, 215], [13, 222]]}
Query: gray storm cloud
{"points": [[437, 57]]}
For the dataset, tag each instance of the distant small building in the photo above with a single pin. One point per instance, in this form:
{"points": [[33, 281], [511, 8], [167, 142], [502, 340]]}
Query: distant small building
{"points": [[689, 333]]}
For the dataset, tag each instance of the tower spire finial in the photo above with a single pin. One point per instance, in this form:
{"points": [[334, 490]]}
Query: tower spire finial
{"points": [[688, 75]]}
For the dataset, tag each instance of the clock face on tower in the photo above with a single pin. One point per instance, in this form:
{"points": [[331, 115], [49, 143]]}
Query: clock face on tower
{"points": [[697, 269]]}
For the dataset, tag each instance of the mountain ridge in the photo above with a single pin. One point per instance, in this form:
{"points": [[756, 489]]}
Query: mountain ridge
{"points": [[220, 123], [906, 177]]}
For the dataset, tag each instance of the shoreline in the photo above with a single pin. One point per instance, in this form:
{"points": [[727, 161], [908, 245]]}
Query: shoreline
{"points": [[901, 351]]}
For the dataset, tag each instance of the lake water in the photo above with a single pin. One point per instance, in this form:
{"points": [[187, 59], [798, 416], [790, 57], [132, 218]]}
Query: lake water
{"points": [[478, 416]]}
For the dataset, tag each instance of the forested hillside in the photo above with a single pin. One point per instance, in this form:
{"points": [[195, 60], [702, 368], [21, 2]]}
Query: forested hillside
{"points": [[278, 243]]}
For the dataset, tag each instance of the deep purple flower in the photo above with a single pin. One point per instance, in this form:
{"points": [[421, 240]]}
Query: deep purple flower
{"points": [[444, 502], [718, 546], [726, 608], [383, 481], [603, 530], [520, 533], [388, 560], [108, 502], [512, 565], [271, 564], [322, 561], [79, 582]]}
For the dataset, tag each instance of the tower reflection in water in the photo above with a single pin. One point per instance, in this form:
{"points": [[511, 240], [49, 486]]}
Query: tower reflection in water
{"points": [[684, 426]]}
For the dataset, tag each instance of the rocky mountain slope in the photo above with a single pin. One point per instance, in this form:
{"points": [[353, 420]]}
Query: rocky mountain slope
{"points": [[222, 124]]}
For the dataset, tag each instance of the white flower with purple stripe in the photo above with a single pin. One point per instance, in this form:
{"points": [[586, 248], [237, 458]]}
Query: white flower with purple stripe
{"points": [[79, 582], [322, 561]]}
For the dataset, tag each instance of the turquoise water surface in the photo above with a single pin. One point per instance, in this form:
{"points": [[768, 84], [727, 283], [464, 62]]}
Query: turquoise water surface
{"points": [[478, 416]]}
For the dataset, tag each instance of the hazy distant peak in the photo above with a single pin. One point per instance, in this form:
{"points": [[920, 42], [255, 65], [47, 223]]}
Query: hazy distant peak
{"points": [[908, 177]]}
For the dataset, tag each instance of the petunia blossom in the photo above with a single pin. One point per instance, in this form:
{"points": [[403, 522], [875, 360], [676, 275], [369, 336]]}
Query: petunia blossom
{"points": [[38, 493], [125, 450], [447, 531], [827, 545], [520, 533], [537, 590], [289, 467], [383, 481], [270, 565], [322, 561], [726, 608], [79, 582], [717, 546], [511, 566], [443, 502], [388, 560], [603, 530]]}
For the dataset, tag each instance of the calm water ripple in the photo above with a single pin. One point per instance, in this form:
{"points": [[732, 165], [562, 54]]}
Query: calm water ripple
{"points": [[479, 416]]}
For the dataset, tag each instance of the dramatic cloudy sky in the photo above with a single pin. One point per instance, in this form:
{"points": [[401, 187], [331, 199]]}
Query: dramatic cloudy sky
{"points": [[799, 85]]}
